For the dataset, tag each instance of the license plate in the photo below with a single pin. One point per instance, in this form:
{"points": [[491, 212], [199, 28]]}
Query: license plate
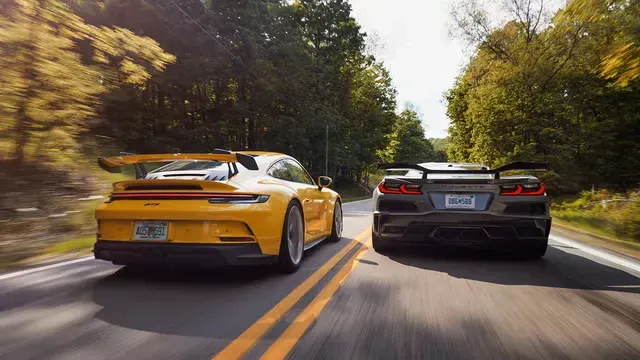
{"points": [[460, 201], [150, 230]]}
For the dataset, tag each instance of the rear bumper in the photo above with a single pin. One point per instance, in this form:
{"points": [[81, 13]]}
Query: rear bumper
{"points": [[183, 255], [481, 230]]}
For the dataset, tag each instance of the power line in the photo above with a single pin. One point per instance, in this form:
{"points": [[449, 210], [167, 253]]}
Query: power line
{"points": [[208, 33], [250, 70]]}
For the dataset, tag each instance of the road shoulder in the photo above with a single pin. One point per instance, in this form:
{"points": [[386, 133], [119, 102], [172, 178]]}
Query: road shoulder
{"points": [[615, 246]]}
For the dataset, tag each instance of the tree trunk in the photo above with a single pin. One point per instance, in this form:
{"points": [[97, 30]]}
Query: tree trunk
{"points": [[21, 133], [160, 111], [251, 129]]}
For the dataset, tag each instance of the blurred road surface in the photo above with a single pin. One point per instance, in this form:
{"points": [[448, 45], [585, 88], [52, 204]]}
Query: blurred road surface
{"points": [[452, 304]]}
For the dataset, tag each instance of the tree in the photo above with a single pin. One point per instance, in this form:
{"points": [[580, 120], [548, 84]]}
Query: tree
{"points": [[622, 61], [49, 90], [407, 142], [440, 146]]}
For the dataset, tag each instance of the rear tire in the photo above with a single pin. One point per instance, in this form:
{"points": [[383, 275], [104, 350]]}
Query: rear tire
{"points": [[338, 224], [537, 250], [380, 245], [292, 242]]}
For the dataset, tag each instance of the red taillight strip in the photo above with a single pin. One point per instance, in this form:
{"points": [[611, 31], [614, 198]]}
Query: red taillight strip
{"points": [[402, 190], [517, 191], [181, 195], [540, 191], [383, 189], [520, 191]]}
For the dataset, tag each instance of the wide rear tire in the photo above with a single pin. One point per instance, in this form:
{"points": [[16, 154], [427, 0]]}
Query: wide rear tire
{"points": [[380, 245], [292, 242], [536, 250], [338, 224]]}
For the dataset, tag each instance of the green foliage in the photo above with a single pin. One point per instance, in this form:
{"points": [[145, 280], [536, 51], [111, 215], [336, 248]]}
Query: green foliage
{"points": [[412, 146], [407, 142], [440, 146], [83, 244], [557, 91], [622, 58]]}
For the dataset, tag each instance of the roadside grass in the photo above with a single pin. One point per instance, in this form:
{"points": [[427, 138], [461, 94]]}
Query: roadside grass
{"points": [[589, 229], [79, 245], [616, 226], [584, 221]]}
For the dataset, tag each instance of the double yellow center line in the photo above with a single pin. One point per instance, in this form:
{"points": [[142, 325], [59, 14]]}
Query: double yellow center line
{"points": [[281, 347]]}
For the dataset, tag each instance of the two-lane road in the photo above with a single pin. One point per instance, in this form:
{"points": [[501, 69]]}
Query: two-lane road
{"points": [[576, 303]]}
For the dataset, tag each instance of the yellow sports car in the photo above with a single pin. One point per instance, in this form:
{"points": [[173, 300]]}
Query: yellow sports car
{"points": [[222, 208]]}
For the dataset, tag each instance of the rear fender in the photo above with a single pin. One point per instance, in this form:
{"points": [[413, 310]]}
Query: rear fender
{"points": [[279, 199]]}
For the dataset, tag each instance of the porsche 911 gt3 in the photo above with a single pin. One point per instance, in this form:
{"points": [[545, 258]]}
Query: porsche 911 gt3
{"points": [[223, 208]]}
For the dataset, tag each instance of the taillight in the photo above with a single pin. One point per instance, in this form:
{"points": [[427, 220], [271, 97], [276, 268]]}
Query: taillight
{"points": [[522, 189], [214, 198], [394, 188], [252, 199]]}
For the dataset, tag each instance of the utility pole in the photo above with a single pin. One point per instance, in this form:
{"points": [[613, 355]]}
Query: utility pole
{"points": [[326, 152]]}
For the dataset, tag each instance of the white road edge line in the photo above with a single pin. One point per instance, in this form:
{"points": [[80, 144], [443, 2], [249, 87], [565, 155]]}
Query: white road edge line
{"points": [[598, 253], [42, 268]]}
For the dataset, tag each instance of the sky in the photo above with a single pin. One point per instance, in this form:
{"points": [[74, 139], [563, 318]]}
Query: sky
{"points": [[414, 43]]}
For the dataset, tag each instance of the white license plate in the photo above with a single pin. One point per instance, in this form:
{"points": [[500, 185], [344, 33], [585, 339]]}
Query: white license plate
{"points": [[150, 230], [459, 201]]}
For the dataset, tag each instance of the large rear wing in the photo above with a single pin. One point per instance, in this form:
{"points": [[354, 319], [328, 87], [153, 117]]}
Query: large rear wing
{"points": [[518, 165], [114, 164]]}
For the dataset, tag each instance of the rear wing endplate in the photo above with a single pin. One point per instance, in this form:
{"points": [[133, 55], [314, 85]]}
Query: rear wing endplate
{"points": [[114, 164], [518, 165]]}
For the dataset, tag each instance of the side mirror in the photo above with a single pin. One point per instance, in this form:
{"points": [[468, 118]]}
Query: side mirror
{"points": [[324, 181]]}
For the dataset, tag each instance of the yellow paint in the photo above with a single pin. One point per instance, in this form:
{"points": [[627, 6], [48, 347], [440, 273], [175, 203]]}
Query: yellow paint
{"points": [[197, 221], [283, 345], [181, 231], [249, 337]]}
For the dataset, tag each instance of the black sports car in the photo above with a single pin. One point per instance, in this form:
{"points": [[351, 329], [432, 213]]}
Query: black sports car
{"points": [[462, 204]]}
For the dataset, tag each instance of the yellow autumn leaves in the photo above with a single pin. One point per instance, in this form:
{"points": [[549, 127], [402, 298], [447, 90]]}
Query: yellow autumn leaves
{"points": [[54, 67]]}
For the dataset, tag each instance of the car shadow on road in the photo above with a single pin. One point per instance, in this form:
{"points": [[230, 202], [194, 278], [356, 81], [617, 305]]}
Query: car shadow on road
{"points": [[389, 320], [602, 286], [215, 303], [557, 268]]}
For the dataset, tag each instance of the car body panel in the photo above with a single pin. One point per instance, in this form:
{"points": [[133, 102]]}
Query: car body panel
{"points": [[198, 221]]}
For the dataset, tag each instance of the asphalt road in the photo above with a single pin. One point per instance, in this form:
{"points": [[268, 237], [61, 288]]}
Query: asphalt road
{"points": [[573, 304]]}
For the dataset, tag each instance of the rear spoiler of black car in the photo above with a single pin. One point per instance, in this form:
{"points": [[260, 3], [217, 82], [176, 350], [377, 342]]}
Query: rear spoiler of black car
{"points": [[518, 165]]}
